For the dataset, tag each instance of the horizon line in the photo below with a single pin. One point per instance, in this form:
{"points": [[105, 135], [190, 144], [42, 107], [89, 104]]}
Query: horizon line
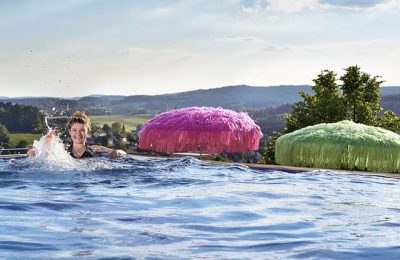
{"points": [[171, 93]]}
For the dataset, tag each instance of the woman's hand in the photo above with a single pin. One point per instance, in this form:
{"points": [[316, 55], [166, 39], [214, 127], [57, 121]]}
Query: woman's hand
{"points": [[116, 153], [31, 153], [50, 135]]}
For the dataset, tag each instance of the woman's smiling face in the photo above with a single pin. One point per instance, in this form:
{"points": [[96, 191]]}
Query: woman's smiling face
{"points": [[78, 133]]}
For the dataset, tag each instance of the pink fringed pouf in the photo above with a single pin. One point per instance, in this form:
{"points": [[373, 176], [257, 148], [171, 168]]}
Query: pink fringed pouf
{"points": [[203, 129]]}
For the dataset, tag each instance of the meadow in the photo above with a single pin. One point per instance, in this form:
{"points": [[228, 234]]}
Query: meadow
{"points": [[16, 137], [130, 121]]}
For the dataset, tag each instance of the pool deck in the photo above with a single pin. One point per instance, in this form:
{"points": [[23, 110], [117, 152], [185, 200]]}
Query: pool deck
{"points": [[12, 155], [305, 169]]}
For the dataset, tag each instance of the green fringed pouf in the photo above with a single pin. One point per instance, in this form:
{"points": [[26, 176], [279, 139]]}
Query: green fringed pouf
{"points": [[344, 145]]}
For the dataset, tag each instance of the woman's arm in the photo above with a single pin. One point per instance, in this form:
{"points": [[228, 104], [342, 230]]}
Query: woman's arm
{"points": [[112, 153]]}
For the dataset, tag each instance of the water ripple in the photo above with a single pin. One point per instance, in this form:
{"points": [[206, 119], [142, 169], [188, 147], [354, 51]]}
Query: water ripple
{"points": [[54, 206], [231, 229], [278, 246], [14, 206], [184, 208], [24, 246]]}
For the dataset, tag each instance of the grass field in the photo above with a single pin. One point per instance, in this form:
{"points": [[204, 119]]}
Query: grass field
{"points": [[15, 138], [130, 122]]}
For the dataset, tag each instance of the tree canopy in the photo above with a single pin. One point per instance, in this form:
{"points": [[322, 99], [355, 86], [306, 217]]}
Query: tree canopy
{"points": [[107, 129], [21, 118], [325, 106], [116, 128], [361, 95], [4, 135], [356, 98]]}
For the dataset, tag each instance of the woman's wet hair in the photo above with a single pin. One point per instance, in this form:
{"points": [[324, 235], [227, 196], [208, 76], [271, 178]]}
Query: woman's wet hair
{"points": [[79, 117]]}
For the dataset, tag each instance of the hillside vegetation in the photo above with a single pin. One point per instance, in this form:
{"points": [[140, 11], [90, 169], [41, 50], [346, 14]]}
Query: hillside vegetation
{"points": [[130, 122], [29, 138]]}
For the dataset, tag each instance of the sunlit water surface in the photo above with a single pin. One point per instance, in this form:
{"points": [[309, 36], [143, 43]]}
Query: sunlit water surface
{"points": [[183, 208]]}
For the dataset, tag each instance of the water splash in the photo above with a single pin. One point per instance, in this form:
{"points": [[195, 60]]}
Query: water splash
{"points": [[47, 123], [44, 165], [51, 151]]}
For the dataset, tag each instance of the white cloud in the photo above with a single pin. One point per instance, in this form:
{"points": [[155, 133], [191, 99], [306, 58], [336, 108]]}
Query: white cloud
{"points": [[277, 48], [163, 11], [291, 5], [379, 5], [149, 53], [289, 48], [385, 5], [352, 3], [238, 39], [254, 6], [286, 6]]}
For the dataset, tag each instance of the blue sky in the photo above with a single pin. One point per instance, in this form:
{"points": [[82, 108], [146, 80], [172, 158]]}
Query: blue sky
{"points": [[75, 48]]}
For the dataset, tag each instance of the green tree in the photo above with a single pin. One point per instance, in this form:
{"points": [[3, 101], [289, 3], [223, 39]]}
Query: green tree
{"points": [[131, 138], [328, 104], [103, 140], [263, 145], [324, 106], [389, 121], [21, 118], [107, 129], [4, 135], [361, 95], [123, 131], [302, 113], [22, 144], [269, 155], [116, 128], [119, 145], [356, 99]]}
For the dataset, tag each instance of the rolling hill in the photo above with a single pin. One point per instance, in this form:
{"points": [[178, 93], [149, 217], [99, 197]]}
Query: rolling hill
{"points": [[241, 97]]}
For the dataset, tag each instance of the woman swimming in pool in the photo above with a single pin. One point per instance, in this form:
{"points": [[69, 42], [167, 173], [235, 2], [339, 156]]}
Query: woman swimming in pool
{"points": [[79, 127]]}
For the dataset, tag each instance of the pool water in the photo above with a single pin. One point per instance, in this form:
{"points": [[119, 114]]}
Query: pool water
{"points": [[183, 208]]}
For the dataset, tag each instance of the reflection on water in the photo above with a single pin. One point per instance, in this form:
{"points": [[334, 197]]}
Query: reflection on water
{"points": [[185, 208]]}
